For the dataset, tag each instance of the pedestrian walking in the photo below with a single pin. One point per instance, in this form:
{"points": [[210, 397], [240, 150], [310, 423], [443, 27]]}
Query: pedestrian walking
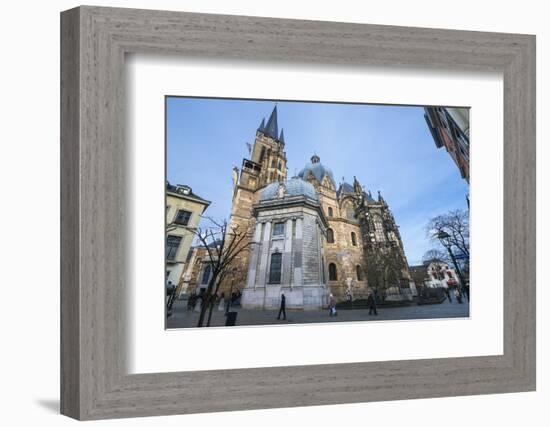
{"points": [[332, 306], [448, 293], [371, 303], [458, 296], [282, 309]]}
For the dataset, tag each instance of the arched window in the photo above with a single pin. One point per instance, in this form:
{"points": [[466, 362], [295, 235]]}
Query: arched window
{"points": [[330, 235], [332, 275], [330, 212], [353, 239], [206, 274], [359, 272], [273, 163]]}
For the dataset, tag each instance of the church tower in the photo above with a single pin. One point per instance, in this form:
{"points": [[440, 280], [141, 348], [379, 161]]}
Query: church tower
{"points": [[267, 164], [268, 157]]}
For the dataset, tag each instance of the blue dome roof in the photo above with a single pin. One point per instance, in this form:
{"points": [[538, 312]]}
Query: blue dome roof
{"points": [[317, 169], [293, 187]]}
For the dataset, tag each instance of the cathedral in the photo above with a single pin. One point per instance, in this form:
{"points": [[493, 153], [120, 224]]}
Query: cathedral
{"points": [[311, 237]]}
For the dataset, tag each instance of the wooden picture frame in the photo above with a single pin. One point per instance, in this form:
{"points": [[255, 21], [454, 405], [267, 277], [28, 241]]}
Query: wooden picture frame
{"points": [[94, 41]]}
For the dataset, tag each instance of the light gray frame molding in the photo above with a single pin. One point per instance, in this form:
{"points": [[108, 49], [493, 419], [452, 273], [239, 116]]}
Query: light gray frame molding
{"points": [[94, 41]]}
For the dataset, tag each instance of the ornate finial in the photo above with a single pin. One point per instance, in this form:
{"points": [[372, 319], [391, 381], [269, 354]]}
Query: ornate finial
{"points": [[315, 158]]}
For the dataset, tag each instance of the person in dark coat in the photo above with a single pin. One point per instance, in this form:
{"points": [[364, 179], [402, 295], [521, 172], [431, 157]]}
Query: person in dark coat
{"points": [[371, 303], [282, 309], [458, 296]]}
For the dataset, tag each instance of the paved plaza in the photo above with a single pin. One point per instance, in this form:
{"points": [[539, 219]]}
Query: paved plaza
{"points": [[183, 318]]}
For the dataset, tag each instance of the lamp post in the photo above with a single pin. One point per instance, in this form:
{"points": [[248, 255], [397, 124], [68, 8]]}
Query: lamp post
{"points": [[445, 240]]}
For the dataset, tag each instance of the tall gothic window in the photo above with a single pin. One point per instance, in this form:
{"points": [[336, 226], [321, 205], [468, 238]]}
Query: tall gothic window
{"points": [[379, 229], [359, 272], [330, 212], [272, 163], [353, 239], [275, 268], [332, 275], [330, 235]]}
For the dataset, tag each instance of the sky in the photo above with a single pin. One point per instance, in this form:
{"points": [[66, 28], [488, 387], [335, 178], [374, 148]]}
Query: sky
{"points": [[388, 148]]}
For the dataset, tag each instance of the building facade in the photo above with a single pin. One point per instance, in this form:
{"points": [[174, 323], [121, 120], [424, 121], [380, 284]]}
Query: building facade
{"points": [[289, 248], [311, 236], [450, 128], [436, 274], [183, 213]]}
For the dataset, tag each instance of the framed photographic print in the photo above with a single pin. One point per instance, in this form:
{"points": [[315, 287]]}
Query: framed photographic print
{"points": [[289, 213]]}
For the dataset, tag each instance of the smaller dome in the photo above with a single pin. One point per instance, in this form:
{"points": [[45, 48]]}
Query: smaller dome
{"points": [[317, 169], [293, 187]]}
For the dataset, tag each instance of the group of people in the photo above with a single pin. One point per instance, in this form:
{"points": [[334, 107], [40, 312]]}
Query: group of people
{"points": [[457, 293], [371, 304]]}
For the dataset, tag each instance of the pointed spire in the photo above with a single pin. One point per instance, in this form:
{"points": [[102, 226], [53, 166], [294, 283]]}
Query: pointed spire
{"points": [[271, 128], [380, 198], [282, 137], [357, 186], [262, 125]]}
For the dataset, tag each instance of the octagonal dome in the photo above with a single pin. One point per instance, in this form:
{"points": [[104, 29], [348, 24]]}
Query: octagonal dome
{"points": [[293, 187]]}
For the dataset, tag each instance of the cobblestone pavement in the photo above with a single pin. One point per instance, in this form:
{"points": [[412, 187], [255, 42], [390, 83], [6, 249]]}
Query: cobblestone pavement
{"points": [[182, 318]]}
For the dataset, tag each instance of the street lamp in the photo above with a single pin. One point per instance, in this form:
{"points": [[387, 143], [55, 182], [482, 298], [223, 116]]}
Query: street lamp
{"points": [[445, 239]]}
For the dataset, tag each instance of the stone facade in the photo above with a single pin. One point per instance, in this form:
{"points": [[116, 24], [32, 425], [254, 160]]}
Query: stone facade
{"points": [[183, 213], [334, 236], [287, 255]]}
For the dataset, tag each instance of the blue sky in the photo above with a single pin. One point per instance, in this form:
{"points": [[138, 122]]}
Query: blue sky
{"points": [[388, 148]]}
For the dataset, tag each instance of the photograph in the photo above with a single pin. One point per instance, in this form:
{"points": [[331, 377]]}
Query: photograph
{"points": [[283, 212]]}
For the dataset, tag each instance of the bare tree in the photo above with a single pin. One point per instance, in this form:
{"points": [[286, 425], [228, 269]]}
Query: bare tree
{"points": [[222, 244], [419, 275], [456, 224], [384, 269], [435, 255]]}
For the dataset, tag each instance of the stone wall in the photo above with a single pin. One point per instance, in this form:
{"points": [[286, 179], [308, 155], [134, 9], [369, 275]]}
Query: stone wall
{"points": [[346, 256]]}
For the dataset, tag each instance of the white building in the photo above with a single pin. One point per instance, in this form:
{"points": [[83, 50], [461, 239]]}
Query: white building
{"points": [[437, 274]]}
